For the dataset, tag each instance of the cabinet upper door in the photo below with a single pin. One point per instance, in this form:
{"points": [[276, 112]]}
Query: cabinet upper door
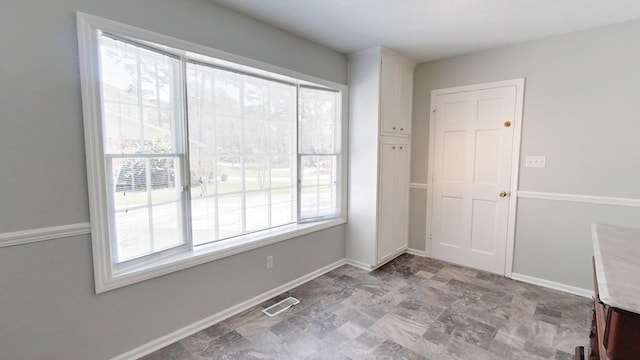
{"points": [[405, 93], [396, 85]]}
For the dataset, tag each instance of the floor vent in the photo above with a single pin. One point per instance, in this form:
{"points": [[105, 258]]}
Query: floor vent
{"points": [[281, 306]]}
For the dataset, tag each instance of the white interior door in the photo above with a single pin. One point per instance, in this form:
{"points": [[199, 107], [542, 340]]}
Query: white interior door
{"points": [[471, 176]]}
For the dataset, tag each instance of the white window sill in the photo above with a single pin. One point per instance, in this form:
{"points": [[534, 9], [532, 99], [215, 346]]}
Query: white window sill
{"points": [[210, 252]]}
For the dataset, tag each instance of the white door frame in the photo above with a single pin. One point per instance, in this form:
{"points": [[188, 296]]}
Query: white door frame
{"points": [[515, 162]]}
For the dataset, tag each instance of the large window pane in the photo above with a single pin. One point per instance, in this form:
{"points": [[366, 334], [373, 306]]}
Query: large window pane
{"points": [[138, 91], [166, 200], [318, 121], [252, 125], [228, 139], [167, 227], [283, 206], [318, 189], [256, 137], [139, 88], [203, 219], [231, 174], [227, 91], [318, 133], [256, 173], [257, 208], [133, 235], [282, 174], [255, 98], [230, 215], [147, 205]]}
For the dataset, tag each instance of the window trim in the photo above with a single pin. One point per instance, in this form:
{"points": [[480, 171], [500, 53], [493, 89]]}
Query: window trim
{"points": [[107, 276]]}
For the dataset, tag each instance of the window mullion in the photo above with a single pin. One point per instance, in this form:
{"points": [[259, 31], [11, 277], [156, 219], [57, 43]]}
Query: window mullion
{"points": [[139, 95], [147, 166], [158, 105], [243, 201], [268, 120], [318, 127], [216, 157], [113, 247], [298, 169], [182, 146]]}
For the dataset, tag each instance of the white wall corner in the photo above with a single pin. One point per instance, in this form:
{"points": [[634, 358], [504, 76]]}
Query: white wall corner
{"points": [[359, 265], [416, 252]]}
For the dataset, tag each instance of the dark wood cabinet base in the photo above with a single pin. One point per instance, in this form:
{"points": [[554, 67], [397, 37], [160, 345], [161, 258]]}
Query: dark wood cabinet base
{"points": [[615, 333]]}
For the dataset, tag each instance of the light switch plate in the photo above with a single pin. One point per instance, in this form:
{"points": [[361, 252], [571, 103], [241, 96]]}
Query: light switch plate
{"points": [[536, 161]]}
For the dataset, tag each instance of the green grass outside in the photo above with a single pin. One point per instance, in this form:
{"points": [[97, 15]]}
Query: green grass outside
{"points": [[123, 199]]}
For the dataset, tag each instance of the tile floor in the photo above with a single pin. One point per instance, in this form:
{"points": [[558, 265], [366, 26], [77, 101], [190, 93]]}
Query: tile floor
{"points": [[411, 308]]}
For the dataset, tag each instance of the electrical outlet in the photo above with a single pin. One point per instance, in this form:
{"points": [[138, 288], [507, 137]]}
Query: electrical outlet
{"points": [[536, 161], [269, 262]]}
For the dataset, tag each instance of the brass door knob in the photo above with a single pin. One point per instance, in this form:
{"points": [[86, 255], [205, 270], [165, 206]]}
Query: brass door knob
{"points": [[503, 194]]}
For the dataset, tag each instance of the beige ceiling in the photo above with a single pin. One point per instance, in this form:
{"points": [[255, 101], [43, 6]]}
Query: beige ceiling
{"points": [[433, 29]]}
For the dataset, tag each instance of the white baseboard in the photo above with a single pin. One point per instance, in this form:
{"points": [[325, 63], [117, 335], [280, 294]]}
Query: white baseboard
{"points": [[553, 285], [415, 252], [367, 267], [359, 265], [222, 315]]}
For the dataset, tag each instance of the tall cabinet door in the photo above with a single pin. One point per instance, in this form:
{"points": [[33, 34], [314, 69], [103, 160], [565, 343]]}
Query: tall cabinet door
{"points": [[386, 228], [402, 165], [394, 197]]}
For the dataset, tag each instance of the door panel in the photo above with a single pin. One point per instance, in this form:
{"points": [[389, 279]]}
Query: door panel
{"points": [[483, 227], [390, 99], [454, 144], [472, 164], [405, 91], [394, 197], [487, 157], [452, 210], [396, 87], [402, 162], [387, 200]]}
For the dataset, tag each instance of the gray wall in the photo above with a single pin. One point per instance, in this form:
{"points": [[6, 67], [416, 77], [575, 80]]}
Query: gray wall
{"points": [[48, 307], [417, 210], [580, 110]]}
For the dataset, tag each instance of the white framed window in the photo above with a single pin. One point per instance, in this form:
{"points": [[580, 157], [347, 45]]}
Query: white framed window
{"points": [[194, 154], [318, 153]]}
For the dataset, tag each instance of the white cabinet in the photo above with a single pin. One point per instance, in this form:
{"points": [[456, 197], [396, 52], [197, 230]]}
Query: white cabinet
{"points": [[380, 83], [396, 85], [393, 223]]}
